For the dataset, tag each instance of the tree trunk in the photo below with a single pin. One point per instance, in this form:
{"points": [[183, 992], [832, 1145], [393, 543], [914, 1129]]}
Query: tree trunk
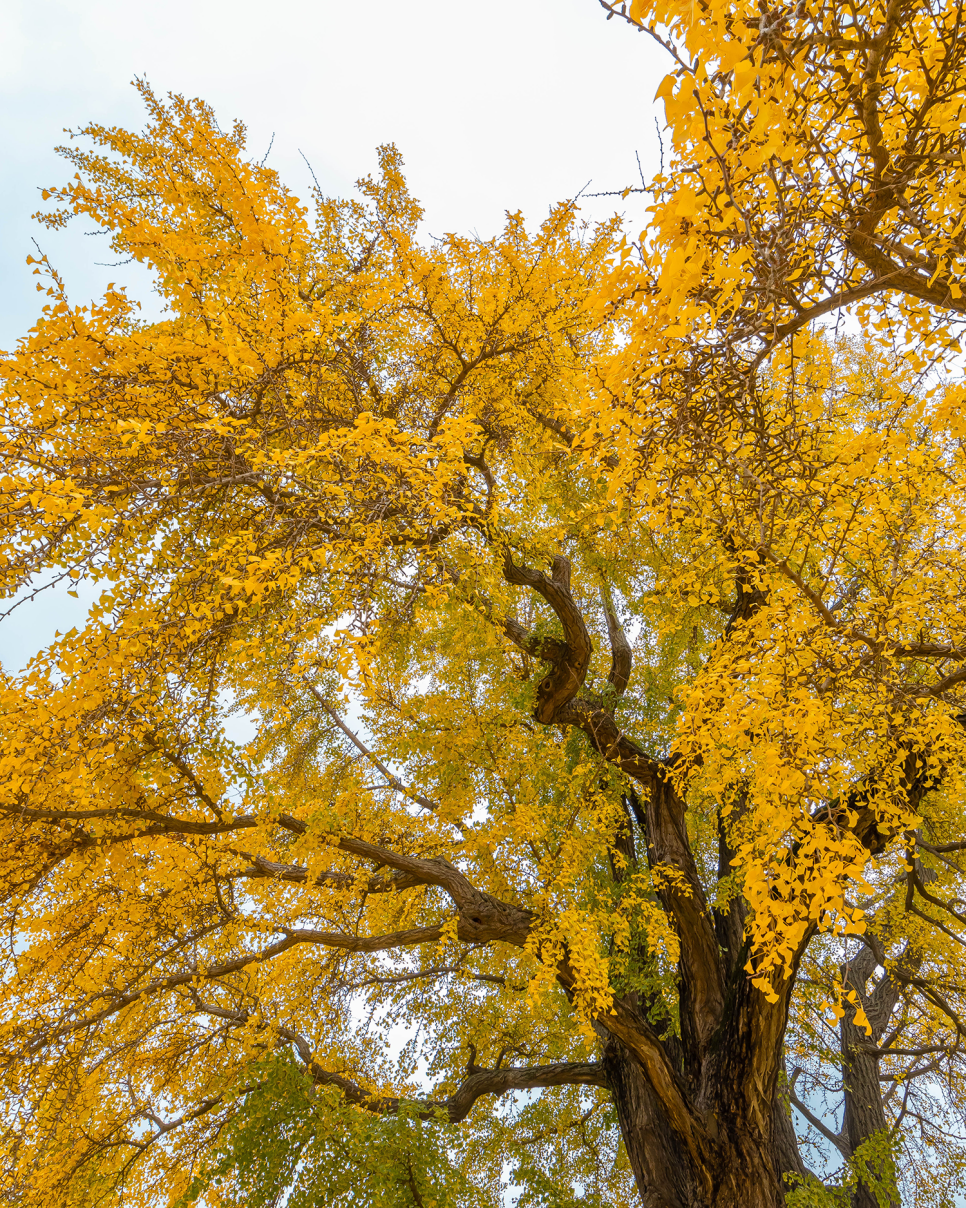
{"points": [[864, 1114], [661, 1166], [727, 1057], [747, 1166]]}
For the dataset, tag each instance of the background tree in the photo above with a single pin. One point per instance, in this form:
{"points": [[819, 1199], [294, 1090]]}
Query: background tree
{"points": [[605, 684]]}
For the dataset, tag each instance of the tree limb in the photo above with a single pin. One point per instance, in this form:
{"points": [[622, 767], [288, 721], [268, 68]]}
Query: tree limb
{"points": [[455, 1107], [621, 655], [566, 679]]}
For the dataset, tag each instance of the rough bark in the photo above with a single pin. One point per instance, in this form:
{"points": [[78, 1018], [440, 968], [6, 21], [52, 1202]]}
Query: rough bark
{"points": [[865, 1117], [788, 1159], [665, 1176], [747, 1166]]}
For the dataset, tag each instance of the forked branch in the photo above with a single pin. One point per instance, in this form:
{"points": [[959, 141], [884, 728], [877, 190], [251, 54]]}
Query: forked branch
{"points": [[453, 1108], [457, 1106]]}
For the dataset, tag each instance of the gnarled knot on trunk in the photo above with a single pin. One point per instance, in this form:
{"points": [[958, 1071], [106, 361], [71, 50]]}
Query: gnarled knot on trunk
{"points": [[487, 919]]}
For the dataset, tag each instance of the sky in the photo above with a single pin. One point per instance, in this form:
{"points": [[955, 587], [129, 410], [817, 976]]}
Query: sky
{"points": [[508, 105]]}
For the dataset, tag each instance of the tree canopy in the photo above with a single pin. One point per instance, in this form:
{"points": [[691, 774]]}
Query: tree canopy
{"points": [[518, 746]]}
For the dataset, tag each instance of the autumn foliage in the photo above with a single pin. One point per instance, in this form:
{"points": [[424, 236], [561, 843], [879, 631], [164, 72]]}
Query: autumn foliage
{"points": [[518, 746]]}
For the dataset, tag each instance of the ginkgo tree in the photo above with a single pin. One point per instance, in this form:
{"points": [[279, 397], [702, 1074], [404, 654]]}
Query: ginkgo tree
{"points": [[597, 615]]}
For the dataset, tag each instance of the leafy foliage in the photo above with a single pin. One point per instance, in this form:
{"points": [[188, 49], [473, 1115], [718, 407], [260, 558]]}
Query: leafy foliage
{"points": [[598, 613], [289, 1143], [312, 1146]]}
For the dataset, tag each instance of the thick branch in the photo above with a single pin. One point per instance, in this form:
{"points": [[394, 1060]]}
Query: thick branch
{"points": [[363, 943], [455, 1107], [482, 917], [682, 893], [566, 679], [295, 874], [666, 1084], [294, 937], [621, 656]]}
